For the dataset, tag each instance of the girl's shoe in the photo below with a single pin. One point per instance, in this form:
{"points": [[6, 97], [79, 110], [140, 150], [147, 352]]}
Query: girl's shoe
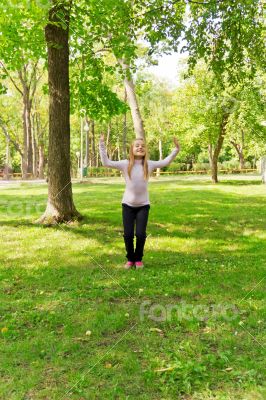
{"points": [[129, 264], [139, 264]]}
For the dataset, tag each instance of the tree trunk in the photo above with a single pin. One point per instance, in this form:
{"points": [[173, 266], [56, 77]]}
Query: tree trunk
{"points": [[242, 160], [60, 206], [87, 144], [10, 140], [240, 150], [109, 128], [132, 101], [7, 168], [27, 129], [93, 144], [125, 130], [25, 147], [160, 155], [41, 162], [214, 154], [210, 153], [35, 152], [214, 169]]}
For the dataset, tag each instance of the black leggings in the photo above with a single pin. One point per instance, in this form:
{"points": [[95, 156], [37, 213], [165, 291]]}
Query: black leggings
{"points": [[130, 215]]}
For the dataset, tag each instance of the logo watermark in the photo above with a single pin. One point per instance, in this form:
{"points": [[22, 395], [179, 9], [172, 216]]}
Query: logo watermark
{"points": [[185, 311]]}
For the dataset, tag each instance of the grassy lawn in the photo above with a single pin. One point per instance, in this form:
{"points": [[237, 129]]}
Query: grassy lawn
{"points": [[75, 325]]}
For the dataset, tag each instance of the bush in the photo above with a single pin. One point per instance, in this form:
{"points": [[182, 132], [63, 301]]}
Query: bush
{"points": [[234, 164], [175, 167], [248, 164], [102, 171], [231, 164], [201, 167], [219, 166]]}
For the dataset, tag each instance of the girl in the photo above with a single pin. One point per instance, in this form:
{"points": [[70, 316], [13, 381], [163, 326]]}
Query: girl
{"points": [[135, 201]]}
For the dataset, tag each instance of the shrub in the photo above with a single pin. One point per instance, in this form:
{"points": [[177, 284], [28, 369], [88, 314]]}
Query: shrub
{"points": [[175, 167], [201, 167], [231, 164], [102, 171]]}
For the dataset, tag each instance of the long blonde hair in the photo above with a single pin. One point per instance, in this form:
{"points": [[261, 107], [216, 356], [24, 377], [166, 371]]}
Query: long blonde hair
{"points": [[132, 159]]}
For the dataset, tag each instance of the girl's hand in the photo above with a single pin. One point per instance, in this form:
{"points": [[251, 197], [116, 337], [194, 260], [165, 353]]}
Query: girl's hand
{"points": [[102, 137], [177, 145]]}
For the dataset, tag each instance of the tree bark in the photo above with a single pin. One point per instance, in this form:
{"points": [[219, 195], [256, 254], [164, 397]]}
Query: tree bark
{"points": [[132, 101], [125, 130], [29, 84], [41, 162], [240, 150], [87, 144], [60, 205], [27, 126], [214, 153], [160, 156], [35, 152], [94, 161], [7, 168]]}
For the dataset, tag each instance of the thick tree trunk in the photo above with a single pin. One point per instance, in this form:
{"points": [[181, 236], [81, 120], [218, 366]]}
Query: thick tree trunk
{"points": [[60, 206], [132, 101], [242, 160]]}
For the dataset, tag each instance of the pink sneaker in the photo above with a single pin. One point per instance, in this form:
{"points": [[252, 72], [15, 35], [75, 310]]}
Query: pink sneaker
{"points": [[139, 264], [129, 264]]}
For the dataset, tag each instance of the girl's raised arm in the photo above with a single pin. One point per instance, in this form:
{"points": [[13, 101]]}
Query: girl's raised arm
{"points": [[167, 160], [106, 162]]}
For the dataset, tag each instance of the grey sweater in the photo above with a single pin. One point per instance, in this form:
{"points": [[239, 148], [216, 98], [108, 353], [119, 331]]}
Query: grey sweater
{"points": [[136, 192]]}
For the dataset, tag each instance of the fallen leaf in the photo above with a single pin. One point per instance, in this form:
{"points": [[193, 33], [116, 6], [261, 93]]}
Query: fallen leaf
{"points": [[164, 369], [156, 330]]}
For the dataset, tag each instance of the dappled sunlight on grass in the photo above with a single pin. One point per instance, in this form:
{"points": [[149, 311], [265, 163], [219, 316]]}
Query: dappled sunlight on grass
{"points": [[66, 301], [256, 233]]}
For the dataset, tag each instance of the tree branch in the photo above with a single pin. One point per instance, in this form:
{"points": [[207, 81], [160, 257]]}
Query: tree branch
{"points": [[10, 77], [16, 145], [33, 73]]}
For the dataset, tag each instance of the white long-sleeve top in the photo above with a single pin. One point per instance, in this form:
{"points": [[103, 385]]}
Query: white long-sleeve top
{"points": [[136, 192]]}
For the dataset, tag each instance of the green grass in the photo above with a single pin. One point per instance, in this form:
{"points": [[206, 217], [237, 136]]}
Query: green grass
{"points": [[205, 255]]}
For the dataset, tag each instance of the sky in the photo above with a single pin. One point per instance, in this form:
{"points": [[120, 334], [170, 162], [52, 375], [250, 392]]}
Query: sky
{"points": [[168, 68]]}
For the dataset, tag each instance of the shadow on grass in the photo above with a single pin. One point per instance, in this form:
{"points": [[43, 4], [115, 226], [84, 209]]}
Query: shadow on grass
{"points": [[181, 213], [58, 303], [240, 182]]}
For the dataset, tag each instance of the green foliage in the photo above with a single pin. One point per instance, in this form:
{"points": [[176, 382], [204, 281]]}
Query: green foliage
{"points": [[205, 247], [201, 167], [229, 35]]}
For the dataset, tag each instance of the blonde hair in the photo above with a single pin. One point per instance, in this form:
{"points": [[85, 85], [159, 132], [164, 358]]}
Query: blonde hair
{"points": [[132, 159]]}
